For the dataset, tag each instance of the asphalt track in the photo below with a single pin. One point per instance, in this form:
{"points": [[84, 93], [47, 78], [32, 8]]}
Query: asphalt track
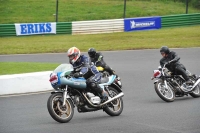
{"points": [[144, 111]]}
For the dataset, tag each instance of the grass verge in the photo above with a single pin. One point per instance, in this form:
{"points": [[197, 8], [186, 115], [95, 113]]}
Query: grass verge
{"points": [[25, 67], [181, 37]]}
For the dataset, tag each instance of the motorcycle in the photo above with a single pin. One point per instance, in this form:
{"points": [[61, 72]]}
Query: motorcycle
{"points": [[106, 74], [169, 86], [71, 92]]}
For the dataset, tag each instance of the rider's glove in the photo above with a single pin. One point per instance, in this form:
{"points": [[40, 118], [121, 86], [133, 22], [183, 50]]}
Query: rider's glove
{"points": [[167, 63], [77, 74]]}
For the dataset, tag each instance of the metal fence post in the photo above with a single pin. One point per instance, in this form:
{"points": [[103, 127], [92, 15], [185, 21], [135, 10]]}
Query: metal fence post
{"points": [[56, 10], [124, 8], [186, 7]]}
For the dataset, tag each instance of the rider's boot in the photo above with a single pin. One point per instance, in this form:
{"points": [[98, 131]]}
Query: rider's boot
{"points": [[188, 82], [104, 96], [109, 70]]}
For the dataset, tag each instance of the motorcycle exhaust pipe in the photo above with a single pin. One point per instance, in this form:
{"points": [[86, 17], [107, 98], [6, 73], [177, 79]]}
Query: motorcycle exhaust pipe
{"points": [[113, 98], [110, 100], [196, 83]]}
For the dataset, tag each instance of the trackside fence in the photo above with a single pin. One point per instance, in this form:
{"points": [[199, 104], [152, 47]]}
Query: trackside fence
{"points": [[180, 20], [7, 30], [95, 26]]}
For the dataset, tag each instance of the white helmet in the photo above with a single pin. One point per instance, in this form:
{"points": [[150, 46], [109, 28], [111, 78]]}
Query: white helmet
{"points": [[73, 53]]}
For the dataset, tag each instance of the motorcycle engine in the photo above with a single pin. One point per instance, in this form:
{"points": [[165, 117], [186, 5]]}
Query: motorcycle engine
{"points": [[78, 100], [93, 99]]}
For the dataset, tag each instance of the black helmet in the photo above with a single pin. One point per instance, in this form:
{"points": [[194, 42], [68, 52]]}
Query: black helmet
{"points": [[92, 52], [164, 49]]}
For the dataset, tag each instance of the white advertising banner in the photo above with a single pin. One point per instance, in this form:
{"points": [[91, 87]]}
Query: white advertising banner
{"points": [[35, 28]]}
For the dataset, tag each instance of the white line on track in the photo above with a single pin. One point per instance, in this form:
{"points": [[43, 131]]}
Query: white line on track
{"points": [[25, 94]]}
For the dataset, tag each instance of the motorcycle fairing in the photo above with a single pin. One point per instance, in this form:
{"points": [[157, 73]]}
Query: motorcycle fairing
{"points": [[57, 84], [110, 81], [79, 83]]}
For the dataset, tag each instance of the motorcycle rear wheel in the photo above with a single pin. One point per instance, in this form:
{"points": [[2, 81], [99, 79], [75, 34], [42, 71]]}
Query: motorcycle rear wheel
{"points": [[114, 108], [166, 94], [57, 111]]}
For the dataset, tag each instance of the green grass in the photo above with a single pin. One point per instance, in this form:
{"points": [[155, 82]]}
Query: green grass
{"points": [[22, 11], [181, 37], [25, 67]]}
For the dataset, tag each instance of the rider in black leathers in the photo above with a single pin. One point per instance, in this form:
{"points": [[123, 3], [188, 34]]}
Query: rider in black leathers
{"points": [[173, 63], [97, 59], [83, 67]]}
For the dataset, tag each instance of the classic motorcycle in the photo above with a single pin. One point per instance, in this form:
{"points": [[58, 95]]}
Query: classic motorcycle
{"points": [[70, 92], [99, 65], [106, 74], [169, 86]]}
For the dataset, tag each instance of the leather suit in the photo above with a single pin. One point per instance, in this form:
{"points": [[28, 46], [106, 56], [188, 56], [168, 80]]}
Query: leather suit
{"points": [[89, 72], [98, 61], [175, 66]]}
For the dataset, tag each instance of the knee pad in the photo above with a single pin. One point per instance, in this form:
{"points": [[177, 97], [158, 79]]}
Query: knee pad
{"points": [[93, 85], [97, 88]]}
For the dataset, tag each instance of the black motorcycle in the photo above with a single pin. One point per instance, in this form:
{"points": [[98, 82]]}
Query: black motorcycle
{"points": [[168, 86]]}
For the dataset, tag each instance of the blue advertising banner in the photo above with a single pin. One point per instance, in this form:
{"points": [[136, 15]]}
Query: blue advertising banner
{"points": [[132, 24], [35, 28]]}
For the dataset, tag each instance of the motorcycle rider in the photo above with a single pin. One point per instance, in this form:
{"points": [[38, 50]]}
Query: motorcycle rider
{"points": [[83, 67], [97, 59], [171, 59]]}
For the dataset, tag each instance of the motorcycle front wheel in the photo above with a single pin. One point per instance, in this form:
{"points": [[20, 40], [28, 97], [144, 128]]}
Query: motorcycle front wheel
{"points": [[164, 92], [114, 108], [58, 112]]}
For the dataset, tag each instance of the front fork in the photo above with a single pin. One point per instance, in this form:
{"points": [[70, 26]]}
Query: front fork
{"points": [[64, 97], [165, 82]]}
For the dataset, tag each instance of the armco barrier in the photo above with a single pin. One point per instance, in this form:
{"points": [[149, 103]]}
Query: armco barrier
{"points": [[64, 28], [25, 83], [107, 26], [180, 20], [98, 26], [7, 30]]}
